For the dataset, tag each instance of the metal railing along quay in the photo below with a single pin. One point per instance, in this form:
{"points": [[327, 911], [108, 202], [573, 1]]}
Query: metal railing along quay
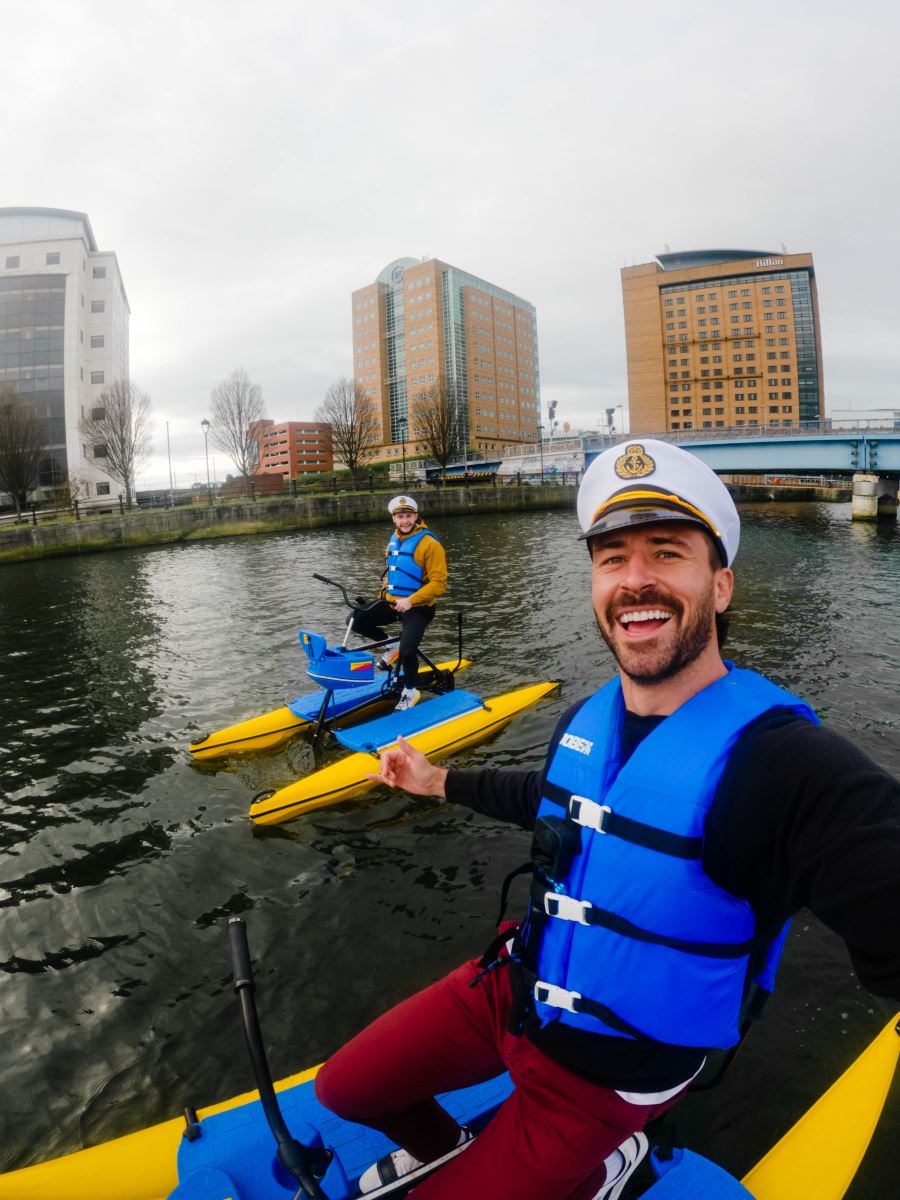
{"points": [[824, 428]]}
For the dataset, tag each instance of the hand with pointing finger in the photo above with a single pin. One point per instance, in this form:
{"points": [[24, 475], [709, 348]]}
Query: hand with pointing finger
{"points": [[403, 766]]}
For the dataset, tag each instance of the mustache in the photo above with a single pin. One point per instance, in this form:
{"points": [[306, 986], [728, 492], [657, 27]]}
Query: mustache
{"points": [[649, 597]]}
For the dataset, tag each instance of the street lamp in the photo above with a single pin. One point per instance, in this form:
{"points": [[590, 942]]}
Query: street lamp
{"points": [[403, 447], [540, 433], [204, 425], [169, 451]]}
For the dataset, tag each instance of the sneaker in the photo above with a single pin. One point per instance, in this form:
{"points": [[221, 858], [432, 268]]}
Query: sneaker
{"points": [[400, 1163], [632, 1150], [409, 698], [388, 659]]}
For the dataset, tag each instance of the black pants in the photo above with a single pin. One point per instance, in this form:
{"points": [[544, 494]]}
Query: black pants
{"points": [[368, 621]]}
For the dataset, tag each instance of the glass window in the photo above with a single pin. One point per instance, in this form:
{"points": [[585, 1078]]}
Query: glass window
{"points": [[102, 489], [97, 341], [12, 261], [98, 306], [96, 376], [53, 258]]}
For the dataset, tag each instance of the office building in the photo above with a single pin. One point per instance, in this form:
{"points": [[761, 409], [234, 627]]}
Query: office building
{"points": [[293, 448], [722, 338], [423, 325], [63, 334]]}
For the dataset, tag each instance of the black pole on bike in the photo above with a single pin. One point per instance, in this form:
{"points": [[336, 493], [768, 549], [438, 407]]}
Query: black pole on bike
{"points": [[340, 587], [304, 1163], [459, 625]]}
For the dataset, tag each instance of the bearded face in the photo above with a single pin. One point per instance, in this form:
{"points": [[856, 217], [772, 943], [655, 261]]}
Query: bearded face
{"points": [[656, 594]]}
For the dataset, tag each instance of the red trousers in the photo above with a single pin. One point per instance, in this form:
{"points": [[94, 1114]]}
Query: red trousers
{"points": [[547, 1141]]}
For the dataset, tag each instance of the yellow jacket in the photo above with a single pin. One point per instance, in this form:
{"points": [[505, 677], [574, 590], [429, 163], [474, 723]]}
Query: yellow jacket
{"points": [[430, 556]]}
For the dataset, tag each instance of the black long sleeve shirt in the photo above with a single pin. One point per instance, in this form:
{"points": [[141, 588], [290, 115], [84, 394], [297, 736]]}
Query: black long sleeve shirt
{"points": [[801, 818]]}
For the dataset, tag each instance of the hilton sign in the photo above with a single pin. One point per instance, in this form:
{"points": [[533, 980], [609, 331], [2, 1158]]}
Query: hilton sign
{"points": [[770, 262]]}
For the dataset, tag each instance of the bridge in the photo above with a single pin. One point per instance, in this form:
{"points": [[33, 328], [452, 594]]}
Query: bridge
{"points": [[863, 450]]}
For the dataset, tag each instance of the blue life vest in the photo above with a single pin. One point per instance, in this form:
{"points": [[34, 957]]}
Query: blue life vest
{"points": [[634, 939], [404, 575]]}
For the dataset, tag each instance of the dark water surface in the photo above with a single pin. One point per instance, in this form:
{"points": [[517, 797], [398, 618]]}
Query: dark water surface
{"points": [[122, 860]]}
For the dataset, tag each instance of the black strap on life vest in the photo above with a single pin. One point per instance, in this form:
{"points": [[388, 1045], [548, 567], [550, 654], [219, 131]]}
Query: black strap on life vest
{"points": [[593, 1008], [525, 869], [592, 915], [676, 845]]}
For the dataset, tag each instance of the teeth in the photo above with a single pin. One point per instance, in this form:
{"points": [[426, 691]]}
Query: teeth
{"points": [[647, 614]]}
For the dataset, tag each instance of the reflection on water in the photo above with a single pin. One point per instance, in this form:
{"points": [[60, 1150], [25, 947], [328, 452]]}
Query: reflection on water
{"points": [[122, 859]]}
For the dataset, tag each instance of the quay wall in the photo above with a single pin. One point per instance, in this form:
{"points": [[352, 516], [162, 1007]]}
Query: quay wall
{"points": [[159, 527], [164, 526]]}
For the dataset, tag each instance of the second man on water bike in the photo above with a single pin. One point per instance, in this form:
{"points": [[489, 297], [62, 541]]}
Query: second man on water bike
{"points": [[415, 575]]}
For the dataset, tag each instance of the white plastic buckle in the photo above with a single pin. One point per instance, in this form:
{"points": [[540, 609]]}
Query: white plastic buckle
{"points": [[556, 997], [567, 908], [588, 812]]}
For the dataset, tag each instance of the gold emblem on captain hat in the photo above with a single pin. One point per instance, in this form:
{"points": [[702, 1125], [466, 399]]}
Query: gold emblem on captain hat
{"points": [[635, 463]]}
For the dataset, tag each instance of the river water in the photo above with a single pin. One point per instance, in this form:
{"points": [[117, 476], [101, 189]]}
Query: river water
{"points": [[122, 859]]}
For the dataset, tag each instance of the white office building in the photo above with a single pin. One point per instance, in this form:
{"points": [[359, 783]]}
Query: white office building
{"points": [[63, 334]]}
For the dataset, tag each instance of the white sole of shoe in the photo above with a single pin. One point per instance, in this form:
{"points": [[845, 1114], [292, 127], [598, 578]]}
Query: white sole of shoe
{"points": [[411, 1177]]}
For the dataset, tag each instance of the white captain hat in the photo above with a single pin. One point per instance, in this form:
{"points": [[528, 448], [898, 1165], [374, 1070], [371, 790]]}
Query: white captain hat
{"points": [[399, 502], [646, 481]]}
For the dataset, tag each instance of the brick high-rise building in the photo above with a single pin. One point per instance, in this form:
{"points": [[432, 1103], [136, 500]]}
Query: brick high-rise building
{"points": [[423, 324], [722, 338]]}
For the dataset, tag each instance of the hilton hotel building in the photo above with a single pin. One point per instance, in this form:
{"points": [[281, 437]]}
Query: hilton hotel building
{"points": [[722, 338], [424, 324]]}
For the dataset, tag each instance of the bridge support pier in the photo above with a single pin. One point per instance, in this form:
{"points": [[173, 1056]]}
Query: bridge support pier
{"points": [[873, 496]]}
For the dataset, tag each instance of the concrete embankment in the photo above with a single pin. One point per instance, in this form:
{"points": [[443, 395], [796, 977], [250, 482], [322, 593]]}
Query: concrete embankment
{"points": [[160, 527], [784, 493], [164, 526]]}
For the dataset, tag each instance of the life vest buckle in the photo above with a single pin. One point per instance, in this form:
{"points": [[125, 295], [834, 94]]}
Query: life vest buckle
{"points": [[556, 997], [589, 813], [567, 908]]}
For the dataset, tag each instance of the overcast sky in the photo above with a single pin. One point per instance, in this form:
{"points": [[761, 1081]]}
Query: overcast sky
{"points": [[252, 164]]}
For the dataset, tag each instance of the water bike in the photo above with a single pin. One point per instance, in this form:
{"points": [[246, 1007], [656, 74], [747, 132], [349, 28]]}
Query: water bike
{"points": [[349, 687], [443, 724], [278, 1142]]}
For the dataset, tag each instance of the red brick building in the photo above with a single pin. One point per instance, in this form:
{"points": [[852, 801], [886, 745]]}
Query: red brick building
{"points": [[293, 447]]}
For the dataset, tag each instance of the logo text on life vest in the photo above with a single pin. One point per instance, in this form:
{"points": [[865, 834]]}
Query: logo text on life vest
{"points": [[571, 741]]}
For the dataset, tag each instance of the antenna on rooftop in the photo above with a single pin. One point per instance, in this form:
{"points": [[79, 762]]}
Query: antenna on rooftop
{"points": [[667, 248], [783, 248]]}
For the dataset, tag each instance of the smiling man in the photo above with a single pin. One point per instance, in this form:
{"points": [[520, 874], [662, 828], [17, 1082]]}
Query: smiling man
{"points": [[415, 576], [685, 811]]}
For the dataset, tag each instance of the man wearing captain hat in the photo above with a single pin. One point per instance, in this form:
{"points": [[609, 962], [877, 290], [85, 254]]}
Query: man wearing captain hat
{"points": [[686, 810], [415, 576]]}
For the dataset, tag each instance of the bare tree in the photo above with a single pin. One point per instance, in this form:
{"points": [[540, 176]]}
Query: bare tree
{"points": [[435, 422], [353, 416], [120, 429], [236, 405], [21, 447]]}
